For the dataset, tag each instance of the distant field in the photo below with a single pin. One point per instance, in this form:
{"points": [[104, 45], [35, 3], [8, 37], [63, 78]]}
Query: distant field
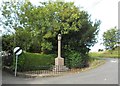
{"points": [[108, 53]]}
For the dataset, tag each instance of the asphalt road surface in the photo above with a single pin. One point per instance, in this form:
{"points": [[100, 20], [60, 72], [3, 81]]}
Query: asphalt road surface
{"points": [[105, 74]]}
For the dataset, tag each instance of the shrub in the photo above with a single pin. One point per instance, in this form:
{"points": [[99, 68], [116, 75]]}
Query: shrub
{"points": [[34, 61], [75, 59], [7, 60]]}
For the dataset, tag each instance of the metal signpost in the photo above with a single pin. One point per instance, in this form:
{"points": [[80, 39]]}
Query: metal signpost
{"points": [[17, 51]]}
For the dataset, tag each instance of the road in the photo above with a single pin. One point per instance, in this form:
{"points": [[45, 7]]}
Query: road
{"points": [[105, 74]]}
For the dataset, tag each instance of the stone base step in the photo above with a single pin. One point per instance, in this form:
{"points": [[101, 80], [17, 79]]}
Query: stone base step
{"points": [[60, 68]]}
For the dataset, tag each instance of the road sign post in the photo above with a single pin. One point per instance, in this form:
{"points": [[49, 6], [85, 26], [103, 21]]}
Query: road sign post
{"points": [[16, 65], [17, 52]]}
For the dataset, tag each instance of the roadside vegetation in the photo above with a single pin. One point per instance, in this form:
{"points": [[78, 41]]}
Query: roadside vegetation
{"points": [[106, 54], [35, 61], [36, 29], [111, 41]]}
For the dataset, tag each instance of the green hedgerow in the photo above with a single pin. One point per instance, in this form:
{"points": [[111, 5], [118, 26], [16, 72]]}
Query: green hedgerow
{"points": [[34, 61]]}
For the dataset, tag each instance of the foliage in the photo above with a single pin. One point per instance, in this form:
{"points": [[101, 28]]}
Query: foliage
{"points": [[49, 19], [9, 19], [110, 38], [23, 39], [76, 60], [99, 50], [7, 60], [7, 43], [38, 26], [34, 61]]}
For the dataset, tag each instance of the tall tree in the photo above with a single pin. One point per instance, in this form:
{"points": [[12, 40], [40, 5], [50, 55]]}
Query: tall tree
{"points": [[41, 25], [48, 19], [9, 19], [110, 38]]}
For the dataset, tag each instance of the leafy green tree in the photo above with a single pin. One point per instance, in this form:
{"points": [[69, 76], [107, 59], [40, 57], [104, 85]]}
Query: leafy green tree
{"points": [[41, 25], [110, 38], [23, 39]]}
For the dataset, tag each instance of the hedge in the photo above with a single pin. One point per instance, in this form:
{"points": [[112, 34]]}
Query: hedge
{"points": [[34, 61]]}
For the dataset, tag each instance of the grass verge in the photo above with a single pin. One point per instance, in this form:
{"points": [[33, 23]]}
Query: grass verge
{"points": [[106, 54], [93, 64]]}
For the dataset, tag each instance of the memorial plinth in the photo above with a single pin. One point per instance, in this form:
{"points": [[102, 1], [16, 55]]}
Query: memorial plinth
{"points": [[59, 61]]}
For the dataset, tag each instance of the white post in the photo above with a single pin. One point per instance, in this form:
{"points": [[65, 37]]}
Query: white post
{"points": [[16, 65]]}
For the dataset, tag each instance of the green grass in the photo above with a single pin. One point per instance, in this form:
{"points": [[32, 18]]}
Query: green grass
{"points": [[106, 54]]}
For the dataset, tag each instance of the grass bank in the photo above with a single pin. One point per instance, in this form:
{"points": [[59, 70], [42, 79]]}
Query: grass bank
{"points": [[106, 54]]}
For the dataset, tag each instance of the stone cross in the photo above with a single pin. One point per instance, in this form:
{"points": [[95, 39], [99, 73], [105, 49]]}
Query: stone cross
{"points": [[59, 60]]}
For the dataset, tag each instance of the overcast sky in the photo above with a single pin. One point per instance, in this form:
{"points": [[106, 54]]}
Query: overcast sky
{"points": [[104, 10]]}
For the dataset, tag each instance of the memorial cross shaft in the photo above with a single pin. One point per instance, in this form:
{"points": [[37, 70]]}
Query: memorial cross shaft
{"points": [[59, 45]]}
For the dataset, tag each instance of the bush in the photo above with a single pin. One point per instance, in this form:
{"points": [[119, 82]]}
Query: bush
{"points": [[7, 60], [75, 59], [34, 61]]}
